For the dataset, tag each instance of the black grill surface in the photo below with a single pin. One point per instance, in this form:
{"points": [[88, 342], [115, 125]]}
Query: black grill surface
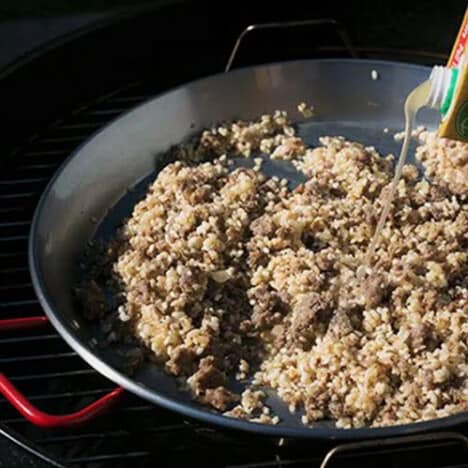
{"points": [[55, 379]]}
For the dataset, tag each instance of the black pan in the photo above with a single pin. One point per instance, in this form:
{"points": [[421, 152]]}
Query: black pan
{"points": [[131, 149]]}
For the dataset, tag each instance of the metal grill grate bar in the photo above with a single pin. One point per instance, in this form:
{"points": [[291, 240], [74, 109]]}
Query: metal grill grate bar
{"points": [[74, 394], [10, 196], [6, 304], [51, 375], [14, 224], [124, 411], [107, 112], [14, 238], [80, 126], [65, 139], [11, 183], [39, 357], [15, 286], [129, 99], [39, 166], [114, 456], [40, 154], [115, 434], [27, 339]]}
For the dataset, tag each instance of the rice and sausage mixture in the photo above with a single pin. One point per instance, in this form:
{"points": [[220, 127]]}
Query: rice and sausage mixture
{"points": [[223, 272]]}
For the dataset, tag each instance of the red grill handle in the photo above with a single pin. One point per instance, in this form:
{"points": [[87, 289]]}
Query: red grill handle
{"points": [[39, 418], [22, 323], [33, 414]]}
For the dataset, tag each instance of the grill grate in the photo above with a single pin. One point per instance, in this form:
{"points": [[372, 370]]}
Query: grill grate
{"points": [[39, 362], [54, 377]]}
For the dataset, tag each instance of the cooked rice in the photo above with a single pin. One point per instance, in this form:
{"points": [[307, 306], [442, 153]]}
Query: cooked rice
{"points": [[227, 272]]}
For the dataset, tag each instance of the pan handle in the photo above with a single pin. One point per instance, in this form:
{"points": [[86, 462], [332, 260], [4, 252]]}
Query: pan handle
{"points": [[386, 444], [22, 323], [292, 24], [49, 421], [33, 414]]}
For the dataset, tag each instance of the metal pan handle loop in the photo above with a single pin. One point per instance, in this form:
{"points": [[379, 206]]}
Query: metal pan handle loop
{"points": [[292, 24]]}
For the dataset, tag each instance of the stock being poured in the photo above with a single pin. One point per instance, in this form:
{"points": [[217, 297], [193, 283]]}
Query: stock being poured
{"points": [[446, 90], [418, 98]]}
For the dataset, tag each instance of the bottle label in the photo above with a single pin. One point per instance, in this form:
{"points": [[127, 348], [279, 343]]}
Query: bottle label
{"points": [[455, 123], [460, 44], [462, 121]]}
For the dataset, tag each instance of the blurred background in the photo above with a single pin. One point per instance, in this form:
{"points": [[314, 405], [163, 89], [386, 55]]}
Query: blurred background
{"points": [[424, 25], [26, 24]]}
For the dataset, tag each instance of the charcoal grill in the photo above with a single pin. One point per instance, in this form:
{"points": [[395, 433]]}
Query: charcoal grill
{"points": [[55, 100]]}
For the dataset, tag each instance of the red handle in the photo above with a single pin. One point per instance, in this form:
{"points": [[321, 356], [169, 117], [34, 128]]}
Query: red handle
{"points": [[39, 418], [22, 323], [36, 416]]}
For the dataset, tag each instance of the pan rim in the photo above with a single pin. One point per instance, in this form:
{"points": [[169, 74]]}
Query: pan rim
{"points": [[185, 409]]}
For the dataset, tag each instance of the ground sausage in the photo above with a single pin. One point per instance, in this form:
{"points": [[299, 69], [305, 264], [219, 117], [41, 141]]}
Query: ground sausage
{"points": [[278, 335], [310, 313], [375, 290], [219, 398], [268, 308], [208, 375], [182, 361], [424, 336], [419, 335]]}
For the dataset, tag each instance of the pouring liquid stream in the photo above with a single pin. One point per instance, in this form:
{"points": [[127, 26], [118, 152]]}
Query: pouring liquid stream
{"points": [[416, 99]]}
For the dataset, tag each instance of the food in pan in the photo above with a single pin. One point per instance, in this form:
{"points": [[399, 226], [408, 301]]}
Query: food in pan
{"points": [[222, 272]]}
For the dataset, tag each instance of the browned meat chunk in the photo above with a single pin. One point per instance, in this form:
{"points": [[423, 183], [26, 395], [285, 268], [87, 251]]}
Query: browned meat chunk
{"points": [[375, 290], [278, 335], [438, 193], [208, 375], [423, 336], [311, 313], [219, 398], [238, 412], [268, 309], [414, 217], [182, 362], [257, 258], [419, 335], [200, 194], [340, 324], [363, 157]]}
